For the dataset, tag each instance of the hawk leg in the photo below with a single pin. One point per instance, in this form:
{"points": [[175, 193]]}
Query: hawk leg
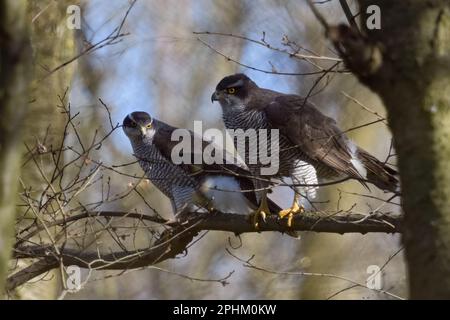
{"points": [[262, 211], [293, 210]]}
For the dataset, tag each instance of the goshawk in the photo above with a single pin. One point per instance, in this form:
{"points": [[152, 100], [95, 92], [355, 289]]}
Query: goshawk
{"points": [[189, 186], [307, 138]]}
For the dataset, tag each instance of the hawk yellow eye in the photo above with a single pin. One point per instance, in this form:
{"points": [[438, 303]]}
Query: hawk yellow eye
{"points": [[149, 126], [231, 90]]}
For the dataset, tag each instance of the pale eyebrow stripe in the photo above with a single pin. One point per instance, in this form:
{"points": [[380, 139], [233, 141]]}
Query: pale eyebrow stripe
{"points": [[238, 83]]}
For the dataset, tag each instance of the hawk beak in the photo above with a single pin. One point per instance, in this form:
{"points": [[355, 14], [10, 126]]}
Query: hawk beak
{"points": [[143, 130], [215, 97]]}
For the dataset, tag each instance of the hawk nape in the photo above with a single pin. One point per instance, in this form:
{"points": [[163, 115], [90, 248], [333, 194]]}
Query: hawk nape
{"points": [[222, 187], [306, 136]]}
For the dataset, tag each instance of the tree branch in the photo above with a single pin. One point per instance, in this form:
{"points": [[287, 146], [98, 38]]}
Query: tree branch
{"points": [[348, 14], [171, 243], [360, 54], [310, 221], [176, 239]]}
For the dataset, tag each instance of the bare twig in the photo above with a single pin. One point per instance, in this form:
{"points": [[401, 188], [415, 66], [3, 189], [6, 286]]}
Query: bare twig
{"points": [[249, 264], [112, 38]]}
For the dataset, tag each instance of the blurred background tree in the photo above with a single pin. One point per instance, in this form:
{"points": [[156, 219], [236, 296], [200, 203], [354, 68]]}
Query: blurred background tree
{"points": [[14, 82], [409, 68], [52, 44]]}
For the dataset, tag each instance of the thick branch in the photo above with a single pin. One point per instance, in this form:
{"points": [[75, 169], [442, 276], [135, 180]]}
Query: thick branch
{"points": [[317, 222], [171, 243], [175, 240]]}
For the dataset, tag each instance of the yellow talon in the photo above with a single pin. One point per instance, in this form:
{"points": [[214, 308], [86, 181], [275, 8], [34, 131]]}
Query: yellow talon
{"points": [[290, 212], [261, 212]]}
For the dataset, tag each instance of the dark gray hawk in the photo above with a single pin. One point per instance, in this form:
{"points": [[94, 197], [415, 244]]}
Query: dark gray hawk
{"points": [[189, 186], [305, 136]]}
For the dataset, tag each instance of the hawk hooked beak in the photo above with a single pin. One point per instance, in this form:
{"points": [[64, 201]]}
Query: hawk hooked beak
{"points": [[143, 130], [215, 96]]}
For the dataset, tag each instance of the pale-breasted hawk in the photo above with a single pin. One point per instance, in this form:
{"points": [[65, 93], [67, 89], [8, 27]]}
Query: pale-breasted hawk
{"points": [[189, 186], [305, 135]]}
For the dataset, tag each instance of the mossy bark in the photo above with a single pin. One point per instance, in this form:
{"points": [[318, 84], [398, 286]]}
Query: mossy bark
{"points": [[52, 44], [14, 82], [413, 80]]}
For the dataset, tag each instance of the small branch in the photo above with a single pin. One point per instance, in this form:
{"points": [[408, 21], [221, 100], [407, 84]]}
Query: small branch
{"points": [[248, 263], [36, 269], [267, 45], [258, 69], [114, 37], [348, 13], [170, 244], [359, 103], [361, 56], [30, 232]]}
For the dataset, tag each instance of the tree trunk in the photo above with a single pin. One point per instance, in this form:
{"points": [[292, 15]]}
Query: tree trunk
{"points": [[52, 44], [14, 80], [412, 76]]}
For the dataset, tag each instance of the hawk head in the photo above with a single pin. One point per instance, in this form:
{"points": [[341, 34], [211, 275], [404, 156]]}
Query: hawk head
{"points": [[138, 125], [234, 90]]}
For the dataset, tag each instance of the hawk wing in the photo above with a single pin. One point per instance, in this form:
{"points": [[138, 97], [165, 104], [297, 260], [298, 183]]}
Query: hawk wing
{"points": [[163, 141], [316, 135]]}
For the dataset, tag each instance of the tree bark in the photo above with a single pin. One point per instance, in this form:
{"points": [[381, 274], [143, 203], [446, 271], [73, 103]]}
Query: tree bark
{"points": [[407, 63], [14, 81], [52, 44]]}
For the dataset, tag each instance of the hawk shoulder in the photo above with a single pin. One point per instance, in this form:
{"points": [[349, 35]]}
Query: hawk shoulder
{"points": [[162, 141]]}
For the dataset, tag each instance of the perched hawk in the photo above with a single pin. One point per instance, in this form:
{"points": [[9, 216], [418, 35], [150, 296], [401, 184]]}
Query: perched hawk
{"points": [[306, 136], [222, 187]]}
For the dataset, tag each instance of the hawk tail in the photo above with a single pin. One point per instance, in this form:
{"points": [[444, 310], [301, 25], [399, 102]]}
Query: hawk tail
{"points": [[378, 173]]}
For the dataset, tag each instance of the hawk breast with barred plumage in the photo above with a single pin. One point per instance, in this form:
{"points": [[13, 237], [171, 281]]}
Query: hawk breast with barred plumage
{"points": [[306, 135]]}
